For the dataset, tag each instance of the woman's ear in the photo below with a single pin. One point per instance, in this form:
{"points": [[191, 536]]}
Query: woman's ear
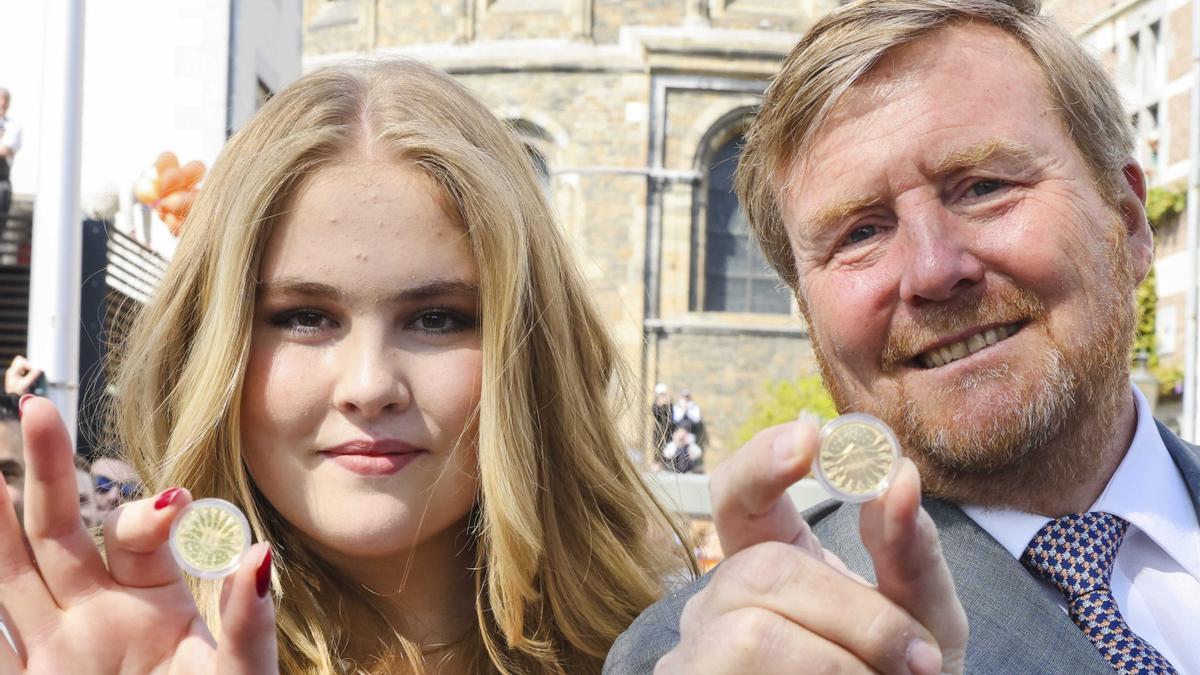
{"points": [[1131, 203]]}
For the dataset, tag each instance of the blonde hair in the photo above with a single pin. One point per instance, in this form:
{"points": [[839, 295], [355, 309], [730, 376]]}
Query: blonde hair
{"points": [[564, 528], [843, 47]]}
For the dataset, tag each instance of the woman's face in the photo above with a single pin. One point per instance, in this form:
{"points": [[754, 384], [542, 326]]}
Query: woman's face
{"points": [[365, 364]]}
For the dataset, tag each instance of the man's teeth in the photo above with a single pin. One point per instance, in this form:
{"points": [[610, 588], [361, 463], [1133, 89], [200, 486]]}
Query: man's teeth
{"points": [[943, 355]]}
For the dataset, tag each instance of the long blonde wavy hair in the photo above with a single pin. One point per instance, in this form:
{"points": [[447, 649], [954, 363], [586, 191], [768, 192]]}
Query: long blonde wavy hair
{"points": [[568, 539]]}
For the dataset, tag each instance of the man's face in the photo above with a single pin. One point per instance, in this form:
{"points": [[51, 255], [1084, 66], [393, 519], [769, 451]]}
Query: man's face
{"points": [[3, 105], [963, 277], [12, 464]]}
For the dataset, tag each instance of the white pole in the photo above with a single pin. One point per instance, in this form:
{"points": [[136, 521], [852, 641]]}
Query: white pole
{"points": [[57, 222]]}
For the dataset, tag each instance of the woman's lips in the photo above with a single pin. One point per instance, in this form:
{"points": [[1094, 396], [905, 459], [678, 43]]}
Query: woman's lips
{"points": [[372, 458]]}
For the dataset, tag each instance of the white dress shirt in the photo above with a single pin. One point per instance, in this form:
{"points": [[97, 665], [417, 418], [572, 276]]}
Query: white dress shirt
{"points": [[10, 134], [1156, 575]]}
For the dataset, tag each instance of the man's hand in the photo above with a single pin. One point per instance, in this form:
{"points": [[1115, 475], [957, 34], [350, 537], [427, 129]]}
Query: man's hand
{"points": [[780, 603], [20, 376]]}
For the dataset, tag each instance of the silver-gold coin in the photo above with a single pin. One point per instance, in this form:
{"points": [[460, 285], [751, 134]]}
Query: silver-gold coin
{"points": [[858, 457], [209, 537]]}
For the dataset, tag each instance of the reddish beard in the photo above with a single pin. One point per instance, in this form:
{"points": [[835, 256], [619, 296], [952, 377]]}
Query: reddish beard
{"points": [[1039, 425]]}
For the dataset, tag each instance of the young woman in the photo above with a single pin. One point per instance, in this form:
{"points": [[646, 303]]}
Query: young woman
{"points": [[374, 341]]}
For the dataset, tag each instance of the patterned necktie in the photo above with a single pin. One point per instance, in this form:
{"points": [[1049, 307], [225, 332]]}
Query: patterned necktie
{"points": [[1076, 554]]}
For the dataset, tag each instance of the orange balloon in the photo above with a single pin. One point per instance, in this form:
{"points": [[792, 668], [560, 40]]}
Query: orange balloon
{"points": [[192, 172], [171, 180], [166, 160], [177, 203]]}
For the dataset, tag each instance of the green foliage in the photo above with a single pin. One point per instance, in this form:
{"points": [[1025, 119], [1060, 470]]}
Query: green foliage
{"points": [[1164, 202], [1147, 300], [783, 401]]}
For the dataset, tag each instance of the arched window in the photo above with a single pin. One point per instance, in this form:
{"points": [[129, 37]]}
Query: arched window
{"points": [[736, 277]]}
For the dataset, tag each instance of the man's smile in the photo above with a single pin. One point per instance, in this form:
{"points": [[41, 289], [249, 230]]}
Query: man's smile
{"points": [[959, 349]]}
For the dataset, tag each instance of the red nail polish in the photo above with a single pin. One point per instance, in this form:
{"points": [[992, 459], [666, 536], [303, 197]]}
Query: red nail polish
{"points": [[21, 405], [164, 500], [262, 578]]}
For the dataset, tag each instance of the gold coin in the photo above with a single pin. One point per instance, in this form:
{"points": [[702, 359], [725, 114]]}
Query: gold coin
{"points": [[857, 457], [209, 538]]}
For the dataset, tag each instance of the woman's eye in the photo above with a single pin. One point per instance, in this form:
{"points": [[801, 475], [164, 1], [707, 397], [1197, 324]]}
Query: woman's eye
{"points": [[436, 322], [304, 321]]}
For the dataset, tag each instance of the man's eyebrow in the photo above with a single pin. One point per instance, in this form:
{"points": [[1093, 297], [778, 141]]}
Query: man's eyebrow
{"points": [[830, 215], [421, 291], [980, 153]]}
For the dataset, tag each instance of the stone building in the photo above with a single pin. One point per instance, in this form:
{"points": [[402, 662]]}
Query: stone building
{"points": [[632, 112], [1147, 46]]}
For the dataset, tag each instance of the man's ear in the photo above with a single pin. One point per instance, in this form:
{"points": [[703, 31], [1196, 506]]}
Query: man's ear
{"points": [[1131, 202]]}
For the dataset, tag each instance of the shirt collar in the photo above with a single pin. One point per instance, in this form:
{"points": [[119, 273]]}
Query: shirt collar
{"points": [[1145, 490]]}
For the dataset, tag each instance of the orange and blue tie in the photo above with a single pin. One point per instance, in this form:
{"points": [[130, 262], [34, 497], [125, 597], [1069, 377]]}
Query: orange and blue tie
{"points": [[1076, 554]]}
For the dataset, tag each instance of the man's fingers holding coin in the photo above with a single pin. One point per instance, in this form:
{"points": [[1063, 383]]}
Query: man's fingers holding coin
{"points": [[135, 540], [903, 542], [797, 586], [756, 640], [749, 500]]}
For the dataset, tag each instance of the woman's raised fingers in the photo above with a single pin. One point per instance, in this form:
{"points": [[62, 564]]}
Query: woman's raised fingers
{"points": [[23, 594], [65, 552], [247, 644], [135, 540]]}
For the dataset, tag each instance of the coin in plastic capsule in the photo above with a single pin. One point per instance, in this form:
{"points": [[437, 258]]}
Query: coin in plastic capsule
{"points": [[858, 457], [209, 537]]}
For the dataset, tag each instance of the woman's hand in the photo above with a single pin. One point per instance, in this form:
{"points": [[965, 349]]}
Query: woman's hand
{"points": [[68, 611]]}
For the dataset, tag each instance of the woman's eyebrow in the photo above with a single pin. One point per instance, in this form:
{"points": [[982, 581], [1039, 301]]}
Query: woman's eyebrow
{"points": [[419, 291]]}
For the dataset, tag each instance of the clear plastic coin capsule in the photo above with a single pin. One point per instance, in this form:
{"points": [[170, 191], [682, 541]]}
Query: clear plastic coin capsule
{"points": [[209, 537], [858, 457]]}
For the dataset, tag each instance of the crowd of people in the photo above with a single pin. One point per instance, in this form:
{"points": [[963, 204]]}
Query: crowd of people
{"points": [[373, 340]]}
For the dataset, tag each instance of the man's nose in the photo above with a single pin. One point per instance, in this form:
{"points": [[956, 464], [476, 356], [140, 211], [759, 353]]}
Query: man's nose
{"points": [[940, 260], [370, 382]]}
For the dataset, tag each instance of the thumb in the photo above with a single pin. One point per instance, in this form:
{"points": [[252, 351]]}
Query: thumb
{"points": [[749, 490], [247, 644], [911, 571]]}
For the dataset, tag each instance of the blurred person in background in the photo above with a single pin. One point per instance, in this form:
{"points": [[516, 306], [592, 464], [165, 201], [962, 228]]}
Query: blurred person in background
{"points": [[10, 143], [89, 510], [116, 482], [22, 377], [12, 456], [661, 416]]}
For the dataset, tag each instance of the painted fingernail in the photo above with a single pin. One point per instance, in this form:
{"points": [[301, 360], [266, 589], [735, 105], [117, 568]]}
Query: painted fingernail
{"points": [[924, 658], [21, 405], [164, 500], [262, 578]]}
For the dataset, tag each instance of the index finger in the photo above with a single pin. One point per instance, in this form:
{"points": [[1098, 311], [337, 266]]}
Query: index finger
{"points": [[909, 566], [749, 490], [65, 552]]}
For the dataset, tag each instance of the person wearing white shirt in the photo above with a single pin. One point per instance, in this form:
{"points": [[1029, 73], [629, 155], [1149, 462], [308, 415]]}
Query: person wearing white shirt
{"points": [[10, 143]]}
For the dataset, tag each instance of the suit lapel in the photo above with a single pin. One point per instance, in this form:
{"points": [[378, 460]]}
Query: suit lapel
{"points": [[1015, 628], [1187, 458]]}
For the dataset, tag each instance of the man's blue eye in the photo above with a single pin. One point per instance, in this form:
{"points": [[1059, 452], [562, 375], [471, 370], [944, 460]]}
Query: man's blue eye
{"points": [[861, 233], [983, 187]]}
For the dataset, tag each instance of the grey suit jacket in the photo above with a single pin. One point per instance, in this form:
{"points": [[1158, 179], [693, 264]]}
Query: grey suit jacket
{"points": [[1015, 628]]}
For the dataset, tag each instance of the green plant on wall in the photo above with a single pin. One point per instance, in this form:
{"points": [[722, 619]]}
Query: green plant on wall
{"points": [[1162, 203], [783, 401]]}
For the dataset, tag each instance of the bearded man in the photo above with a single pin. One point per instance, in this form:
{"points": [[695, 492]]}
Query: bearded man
{"points": [[948, 188]]}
